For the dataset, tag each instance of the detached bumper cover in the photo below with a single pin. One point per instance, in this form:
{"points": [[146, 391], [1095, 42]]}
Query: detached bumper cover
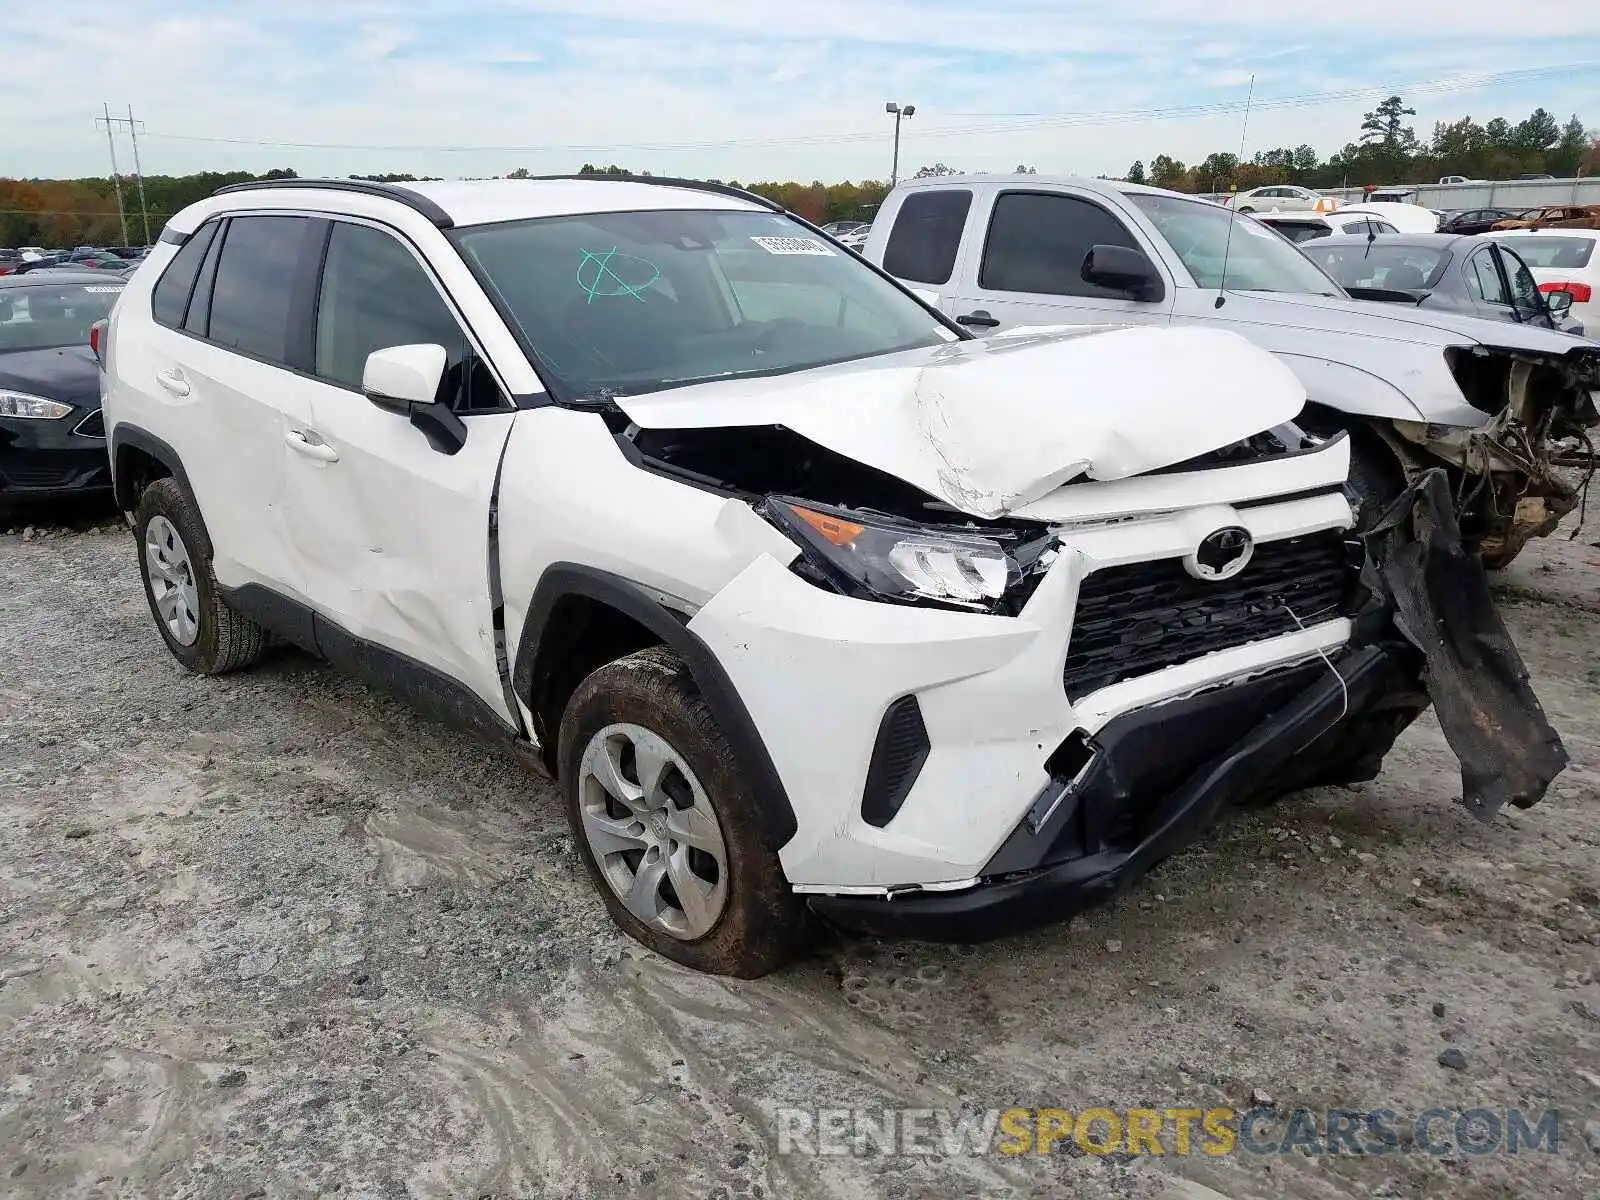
{"points": [[1415, 560], [1134, 805]]}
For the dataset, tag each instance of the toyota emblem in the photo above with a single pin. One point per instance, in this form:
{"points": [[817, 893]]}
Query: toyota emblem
{"points": [[1221, 555]]}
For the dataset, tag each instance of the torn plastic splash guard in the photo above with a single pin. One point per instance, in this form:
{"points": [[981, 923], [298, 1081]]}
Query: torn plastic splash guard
{"points": [[1479, 685]]}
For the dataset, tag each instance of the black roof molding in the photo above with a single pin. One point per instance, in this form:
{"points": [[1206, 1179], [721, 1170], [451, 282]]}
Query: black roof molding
{"points": [[366, 187], [442, 219]]}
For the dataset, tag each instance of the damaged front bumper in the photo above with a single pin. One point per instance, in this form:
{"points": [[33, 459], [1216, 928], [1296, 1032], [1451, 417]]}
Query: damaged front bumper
{"points": [[1155, 780]]}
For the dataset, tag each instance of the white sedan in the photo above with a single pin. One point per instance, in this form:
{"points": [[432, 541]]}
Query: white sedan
{"points": [[1407, 218], [1562, 260], [1282, 197]]}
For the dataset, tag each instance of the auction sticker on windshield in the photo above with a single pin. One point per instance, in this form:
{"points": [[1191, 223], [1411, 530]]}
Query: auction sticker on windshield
{"points": [[792, 245]]}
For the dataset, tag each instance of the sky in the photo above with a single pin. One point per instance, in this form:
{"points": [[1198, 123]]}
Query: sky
{"points": [[756, 89]]}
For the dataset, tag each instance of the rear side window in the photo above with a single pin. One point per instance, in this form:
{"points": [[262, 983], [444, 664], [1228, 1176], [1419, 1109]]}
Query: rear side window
{"points": [[170, 300], [1484, 280], [1038, 241], [253, 295], [927, 234]]}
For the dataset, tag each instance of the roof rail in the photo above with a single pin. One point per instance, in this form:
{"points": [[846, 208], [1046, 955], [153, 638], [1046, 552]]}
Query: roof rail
{"points": [[698, 185], [388, 191]]}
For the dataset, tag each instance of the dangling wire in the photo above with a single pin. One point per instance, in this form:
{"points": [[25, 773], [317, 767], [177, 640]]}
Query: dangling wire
{"points": [[1344, 687]]}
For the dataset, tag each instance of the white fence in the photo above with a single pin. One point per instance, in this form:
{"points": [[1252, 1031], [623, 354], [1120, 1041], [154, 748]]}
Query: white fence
{"points": [[1515, 194]]}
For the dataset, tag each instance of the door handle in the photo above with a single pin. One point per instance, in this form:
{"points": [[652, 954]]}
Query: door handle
{"points": [[307, 442], [173, 381], [980, 319]]}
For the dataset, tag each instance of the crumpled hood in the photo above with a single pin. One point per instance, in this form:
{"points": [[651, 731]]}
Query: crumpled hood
{"points": [[992, 425]]}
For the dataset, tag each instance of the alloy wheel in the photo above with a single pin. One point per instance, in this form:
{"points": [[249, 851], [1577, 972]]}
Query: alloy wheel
{"points": [[653, 831]]}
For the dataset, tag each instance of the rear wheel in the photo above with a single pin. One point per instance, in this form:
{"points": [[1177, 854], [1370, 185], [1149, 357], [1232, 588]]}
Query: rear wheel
{"points": [[663, 814], [199, 628]]}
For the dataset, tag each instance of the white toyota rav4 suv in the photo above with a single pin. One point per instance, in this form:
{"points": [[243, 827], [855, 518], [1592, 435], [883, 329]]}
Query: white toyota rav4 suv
{"points": [[812, 603]]}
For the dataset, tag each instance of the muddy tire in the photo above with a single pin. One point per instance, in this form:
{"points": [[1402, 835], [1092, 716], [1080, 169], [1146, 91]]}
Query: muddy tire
{"points": [[1376, 479], [663, 814], [199, 628]]}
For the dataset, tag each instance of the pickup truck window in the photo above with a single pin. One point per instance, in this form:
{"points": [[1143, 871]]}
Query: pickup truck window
{"points": [[1038, 240], [634, 302], [1258, 259], [927, 234]]}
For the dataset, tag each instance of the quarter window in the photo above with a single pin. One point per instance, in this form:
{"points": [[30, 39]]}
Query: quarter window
{"points": [[254, 292], [1484, 280], [170, 300], [1038, 241]]}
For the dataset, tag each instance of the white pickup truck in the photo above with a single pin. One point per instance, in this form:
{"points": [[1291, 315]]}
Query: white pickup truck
{"points": [[1491, 401]]}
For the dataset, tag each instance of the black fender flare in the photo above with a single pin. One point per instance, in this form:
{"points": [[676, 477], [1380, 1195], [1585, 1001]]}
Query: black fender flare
{"points": [[670, 625], [124, 436]]}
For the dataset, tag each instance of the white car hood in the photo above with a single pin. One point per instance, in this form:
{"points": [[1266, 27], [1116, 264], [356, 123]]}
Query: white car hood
{"points": [[992, 425], [1380, 321]]}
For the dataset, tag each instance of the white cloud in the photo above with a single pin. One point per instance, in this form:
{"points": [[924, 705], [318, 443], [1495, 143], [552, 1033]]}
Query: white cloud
{"points": [[750, 75]]}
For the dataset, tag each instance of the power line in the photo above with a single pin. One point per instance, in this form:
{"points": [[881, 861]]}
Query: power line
{"points": [[1014, 123]]}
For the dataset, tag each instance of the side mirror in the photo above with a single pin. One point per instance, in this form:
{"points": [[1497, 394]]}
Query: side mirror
{"points": [[1559, 303], [1124, 270], [400, 376], [406, 380]]}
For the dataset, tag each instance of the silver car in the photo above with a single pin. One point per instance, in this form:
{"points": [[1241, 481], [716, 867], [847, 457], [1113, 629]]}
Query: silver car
{"points": [[1281, 197]]}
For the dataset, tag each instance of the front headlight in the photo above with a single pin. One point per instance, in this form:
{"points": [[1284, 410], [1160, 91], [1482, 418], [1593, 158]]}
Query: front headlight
{"points": [[884, 559], [33, 408]]}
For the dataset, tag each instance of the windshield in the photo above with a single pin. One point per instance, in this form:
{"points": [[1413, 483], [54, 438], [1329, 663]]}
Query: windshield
{"points": [[1258, 260], [1381, 265], [635, 302], [46, 316], [1545, 252]]}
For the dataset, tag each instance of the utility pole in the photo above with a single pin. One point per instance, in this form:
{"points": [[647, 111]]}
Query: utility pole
{"points": [[144, 209], [116, 181]]}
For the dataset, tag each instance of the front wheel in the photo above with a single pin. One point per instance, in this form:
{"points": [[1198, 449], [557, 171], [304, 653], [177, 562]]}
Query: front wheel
{"points": [[663, 814]]}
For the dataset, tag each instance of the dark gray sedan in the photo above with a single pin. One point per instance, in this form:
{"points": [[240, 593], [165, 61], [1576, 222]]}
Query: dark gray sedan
{"points": [[1461, 273]]}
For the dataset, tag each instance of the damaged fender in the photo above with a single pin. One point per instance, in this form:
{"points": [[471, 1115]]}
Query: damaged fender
{"points": [[1440, 595]]}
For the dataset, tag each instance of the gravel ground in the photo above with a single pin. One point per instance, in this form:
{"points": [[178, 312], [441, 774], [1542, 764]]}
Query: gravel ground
{"points": [[273, 935]]}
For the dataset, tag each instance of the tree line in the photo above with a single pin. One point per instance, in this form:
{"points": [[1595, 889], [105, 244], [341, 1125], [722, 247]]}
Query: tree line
{"points": [[70, 212], [1388, 151]]}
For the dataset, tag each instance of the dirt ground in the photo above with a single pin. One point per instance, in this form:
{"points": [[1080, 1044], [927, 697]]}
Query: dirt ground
{"points": [[274, 936]]}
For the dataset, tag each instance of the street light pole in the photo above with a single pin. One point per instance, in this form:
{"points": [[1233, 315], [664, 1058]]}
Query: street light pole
{"points": [[899, 114]]}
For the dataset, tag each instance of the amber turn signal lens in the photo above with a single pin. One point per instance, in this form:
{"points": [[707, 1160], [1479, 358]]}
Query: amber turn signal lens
{"points": [[837, 532]]}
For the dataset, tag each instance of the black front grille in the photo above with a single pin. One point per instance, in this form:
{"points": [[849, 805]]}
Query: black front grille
{"points": [[94, 425], [1145, 617]]}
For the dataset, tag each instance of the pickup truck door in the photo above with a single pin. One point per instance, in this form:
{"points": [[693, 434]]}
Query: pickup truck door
{"points": [[393, 534], [1023, 264]]}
